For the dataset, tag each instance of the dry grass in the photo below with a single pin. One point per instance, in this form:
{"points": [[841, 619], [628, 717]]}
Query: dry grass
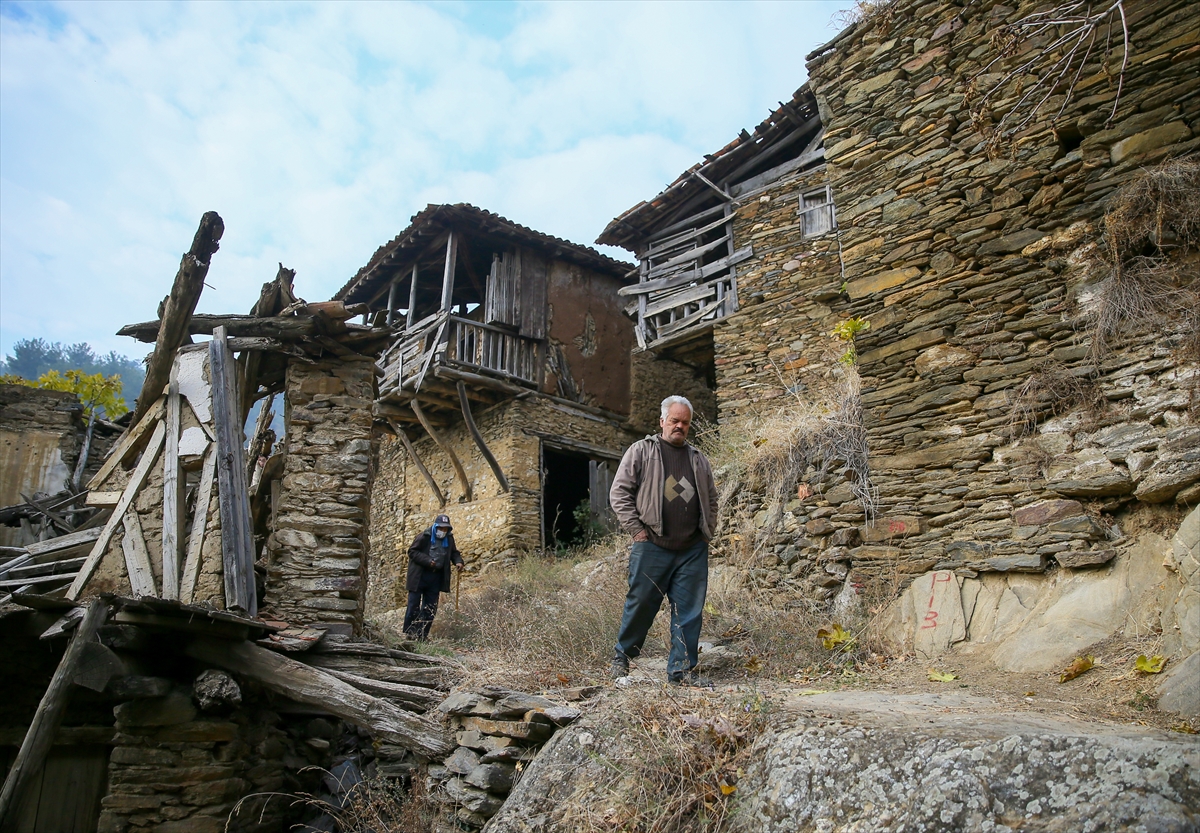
{"points": [[370, 806], [547, 621], [816, 437], [1050, 391], [880, 14], [675, 759], [1145, 264]]}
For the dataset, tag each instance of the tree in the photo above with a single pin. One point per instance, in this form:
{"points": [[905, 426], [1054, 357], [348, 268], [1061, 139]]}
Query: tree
{"points": [[32, 358]]}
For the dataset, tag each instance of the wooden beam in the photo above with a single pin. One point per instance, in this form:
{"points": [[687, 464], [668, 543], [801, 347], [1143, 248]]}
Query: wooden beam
{"points": [[237, 541], [418, 697], [181, 303], [393, 291], [40, 736], [191, 565], [412, 453], [137, 558], [475, 435], [173, 509], [314, 687], [448, 275], [127, 443], [446, 449], [411, 319], [84, 452], [118, 516]]}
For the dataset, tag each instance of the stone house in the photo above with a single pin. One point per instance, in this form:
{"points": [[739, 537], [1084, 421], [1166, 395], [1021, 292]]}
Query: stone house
{"points": [[968, 242], [509, 387]]}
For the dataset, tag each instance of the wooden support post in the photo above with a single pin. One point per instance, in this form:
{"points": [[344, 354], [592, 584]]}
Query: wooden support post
{"points": [[118, 516], [173, 508], [412, 453], [40, 736], [84, 453], [412, 301], [475, 435], [127, 443], [391, 308], [177, 312], [137, 557], [448, 275], [446, 449], [191, 565], [311, 686], [237, 542]]}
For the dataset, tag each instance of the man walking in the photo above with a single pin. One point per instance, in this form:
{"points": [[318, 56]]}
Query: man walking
{"points": [[664, 496], [429, 560]]}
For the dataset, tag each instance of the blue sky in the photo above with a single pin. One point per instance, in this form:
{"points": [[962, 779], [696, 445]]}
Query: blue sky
{"points": [[317, 130]]}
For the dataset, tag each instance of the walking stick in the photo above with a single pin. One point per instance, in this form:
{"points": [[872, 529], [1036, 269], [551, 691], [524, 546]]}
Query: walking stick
{"points": [[457, 584]]}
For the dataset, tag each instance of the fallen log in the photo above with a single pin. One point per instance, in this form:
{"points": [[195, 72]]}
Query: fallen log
{"points": [[388, 671], [313, 687]]}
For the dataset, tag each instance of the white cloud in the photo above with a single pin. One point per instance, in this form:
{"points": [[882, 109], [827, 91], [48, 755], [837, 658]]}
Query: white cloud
{"points": [[317, 130]]}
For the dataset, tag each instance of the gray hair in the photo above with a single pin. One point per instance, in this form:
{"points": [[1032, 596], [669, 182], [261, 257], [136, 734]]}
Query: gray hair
{"points": [[675, 400]]}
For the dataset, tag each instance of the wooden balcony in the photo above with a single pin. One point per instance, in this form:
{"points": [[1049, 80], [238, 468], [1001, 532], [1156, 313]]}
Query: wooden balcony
{"points": [[428, 361]]}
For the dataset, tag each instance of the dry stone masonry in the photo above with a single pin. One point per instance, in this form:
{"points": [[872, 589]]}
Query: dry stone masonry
{"points": [[317, 552]]}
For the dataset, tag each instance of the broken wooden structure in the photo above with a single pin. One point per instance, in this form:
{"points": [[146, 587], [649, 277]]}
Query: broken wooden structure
{"points": [[683, 238], [494, 327]]}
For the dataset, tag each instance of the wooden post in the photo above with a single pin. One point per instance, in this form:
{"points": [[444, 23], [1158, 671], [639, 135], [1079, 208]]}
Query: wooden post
{"points": [[412, 453], [392, 293], [237, 542], [181, 303], [448, 275], [446, 449], [40, 736], [412, 301], [137, 557], [173, 509], [475, 435], [84, 452], [305, 684]]}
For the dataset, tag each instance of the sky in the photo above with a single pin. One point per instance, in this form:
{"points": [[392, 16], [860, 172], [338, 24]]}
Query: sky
{"points": [[316, 131]]}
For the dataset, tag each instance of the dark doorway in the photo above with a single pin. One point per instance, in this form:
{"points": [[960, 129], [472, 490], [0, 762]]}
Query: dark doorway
{"points": [[565, 477]]}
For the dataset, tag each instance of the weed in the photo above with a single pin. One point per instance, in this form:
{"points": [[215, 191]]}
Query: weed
{"points": [[1052, 389], [371, 805], [676, 767]]}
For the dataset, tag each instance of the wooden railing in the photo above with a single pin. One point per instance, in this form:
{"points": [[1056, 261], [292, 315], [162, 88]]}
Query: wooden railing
{"points": [[449, 341]]}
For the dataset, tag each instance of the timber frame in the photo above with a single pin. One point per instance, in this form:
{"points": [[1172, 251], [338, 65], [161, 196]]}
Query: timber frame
{"points": [[683, 238]]}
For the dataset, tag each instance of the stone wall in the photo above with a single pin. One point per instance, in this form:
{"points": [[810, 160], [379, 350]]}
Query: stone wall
{"points": [[970, 269], [316, 555], [493, 527], [653, 378], [176, 769]]}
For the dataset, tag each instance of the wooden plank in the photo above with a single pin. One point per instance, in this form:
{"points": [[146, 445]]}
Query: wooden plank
{"points": [[687, 257], [479, 441], [191, 565], [237, 541], [430, 352], [436, 678], [172, 539], [102, 498], [40, 736], [311, 686], [448, 274], [768, 177], [127, 442], [419, 698], [672, 281], [62, 542], [412, 454], [688, 295], [688, 221], [659, 245], [687, 321], [84, 453], [131, 490], [137, 557], [177, 312], [446, 449]]}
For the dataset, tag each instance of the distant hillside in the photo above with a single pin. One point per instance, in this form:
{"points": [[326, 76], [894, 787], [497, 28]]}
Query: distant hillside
{"points": [[31, 357]]}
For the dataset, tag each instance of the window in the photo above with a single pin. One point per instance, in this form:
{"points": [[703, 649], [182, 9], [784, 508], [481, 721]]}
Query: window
{"points": [[816, 212]]}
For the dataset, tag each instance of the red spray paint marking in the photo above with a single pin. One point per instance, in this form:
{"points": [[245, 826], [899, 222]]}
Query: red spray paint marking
{"points": [[931, 615]]}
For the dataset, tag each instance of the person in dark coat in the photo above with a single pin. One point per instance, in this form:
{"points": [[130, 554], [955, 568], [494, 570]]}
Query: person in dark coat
{"points": [[429, 560]]}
